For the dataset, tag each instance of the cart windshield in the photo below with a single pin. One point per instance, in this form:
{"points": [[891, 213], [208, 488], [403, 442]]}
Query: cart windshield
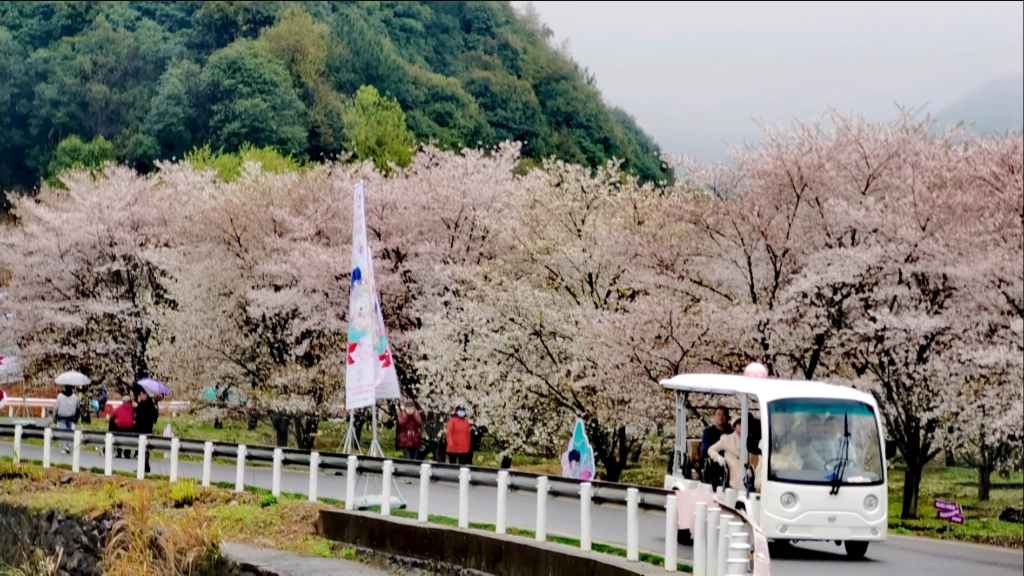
{"points": [[824, 441]]}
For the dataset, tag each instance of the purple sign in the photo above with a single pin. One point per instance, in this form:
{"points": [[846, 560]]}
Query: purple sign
{"points": [[949, 511], [943, 505]]}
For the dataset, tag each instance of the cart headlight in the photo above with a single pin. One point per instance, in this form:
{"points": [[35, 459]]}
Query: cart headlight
{"points": [[870, 502], [788, 500]]}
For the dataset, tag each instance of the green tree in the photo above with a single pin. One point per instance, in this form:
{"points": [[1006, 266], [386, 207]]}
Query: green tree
{"points": [[375, 129], [72, 152], [253, 100], [175, 113]]}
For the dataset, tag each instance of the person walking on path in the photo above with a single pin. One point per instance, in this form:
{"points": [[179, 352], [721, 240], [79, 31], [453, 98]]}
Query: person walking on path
{"points": [[146, 416], [123, 420], [458, 448], [65, 413], [410, 431]]}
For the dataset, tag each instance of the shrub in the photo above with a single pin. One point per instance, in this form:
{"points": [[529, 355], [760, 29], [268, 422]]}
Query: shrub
{"points": [[184, 493], [268, 500]]}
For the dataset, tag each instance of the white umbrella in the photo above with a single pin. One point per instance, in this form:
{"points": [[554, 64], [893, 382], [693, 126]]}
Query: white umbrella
{"points": [[73, 378]]}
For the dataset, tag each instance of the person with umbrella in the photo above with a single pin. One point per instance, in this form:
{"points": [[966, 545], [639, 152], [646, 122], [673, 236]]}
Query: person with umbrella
{"points": [[146, 412], [66, 407]]}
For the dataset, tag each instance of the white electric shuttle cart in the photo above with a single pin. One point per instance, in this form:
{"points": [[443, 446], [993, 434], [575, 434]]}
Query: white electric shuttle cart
{"points": [[824, 473]]}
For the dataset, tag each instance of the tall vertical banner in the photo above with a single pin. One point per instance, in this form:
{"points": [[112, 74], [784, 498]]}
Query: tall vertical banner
{"points": [[369, 371]]}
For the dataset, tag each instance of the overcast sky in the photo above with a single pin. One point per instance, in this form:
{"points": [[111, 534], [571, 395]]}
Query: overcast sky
{"points": [[697, 75]]}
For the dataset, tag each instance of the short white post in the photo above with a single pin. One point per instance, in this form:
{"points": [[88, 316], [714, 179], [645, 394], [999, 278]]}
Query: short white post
{"points": [[108, 454], [207, 462], [42, 413], [586, 497], [141, 474], [17, 443], [175, 448], [739, 552], [240, 469], [424, 511], [350, 482], [711, 536], [275, 486], [700, 543], [10, 411], [730, 497], [722, 561], [500, 521], [314, 474], [385, 496], [76, 452], [47, 441], [632, 532], [463, 497], [542, 509], [671, 531]]}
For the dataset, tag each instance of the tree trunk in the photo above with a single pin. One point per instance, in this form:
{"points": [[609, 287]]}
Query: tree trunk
{"points": [[911, 490], [305, 431], [950, 460], [985, 484], [281, 423], [254, 421]]}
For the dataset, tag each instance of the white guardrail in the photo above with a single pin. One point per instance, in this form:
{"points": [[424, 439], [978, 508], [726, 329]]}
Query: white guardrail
{"points": [[724, 539]]}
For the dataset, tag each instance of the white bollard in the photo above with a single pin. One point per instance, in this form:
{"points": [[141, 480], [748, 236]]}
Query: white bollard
{"points": [[17, 443], [275, 484], [175, 448], [542, 509], [240, 469], [632, 532], [424, 511], [463, 497], [141, 474], [711, 559], [730, 497], [47, 441], [314, 474], [586, 498], [10, 411], [500, 521], [671, 529], [42, 413], [722, 561], [108, 454], [700, 543], [754, 509], [350, 482], [385, 500], [207, 462], [76, 452]]}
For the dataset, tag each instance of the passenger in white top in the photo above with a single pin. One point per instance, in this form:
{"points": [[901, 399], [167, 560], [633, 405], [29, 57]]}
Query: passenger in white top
{"points": [[65, 411]]}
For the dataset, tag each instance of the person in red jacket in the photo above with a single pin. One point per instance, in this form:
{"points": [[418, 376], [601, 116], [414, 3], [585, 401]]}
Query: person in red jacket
{"points": [[410, 431], [458, 438], [123, 420]]}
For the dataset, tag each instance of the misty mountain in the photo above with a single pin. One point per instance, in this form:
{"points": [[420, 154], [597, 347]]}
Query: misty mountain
{"points": [[993, 107]]}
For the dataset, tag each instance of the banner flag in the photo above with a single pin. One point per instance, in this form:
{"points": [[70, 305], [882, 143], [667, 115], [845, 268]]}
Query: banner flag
{"points": [[370, 371]]}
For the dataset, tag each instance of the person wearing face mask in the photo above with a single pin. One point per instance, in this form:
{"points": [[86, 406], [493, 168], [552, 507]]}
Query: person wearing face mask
{"points": [[458, 448], [410, 430]]}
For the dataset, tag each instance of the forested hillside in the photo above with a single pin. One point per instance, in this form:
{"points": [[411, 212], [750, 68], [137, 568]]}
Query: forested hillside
{"points": [[141, 81]]}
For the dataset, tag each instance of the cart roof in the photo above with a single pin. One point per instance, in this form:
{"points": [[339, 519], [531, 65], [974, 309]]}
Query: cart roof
{"points": [[766, 389]]}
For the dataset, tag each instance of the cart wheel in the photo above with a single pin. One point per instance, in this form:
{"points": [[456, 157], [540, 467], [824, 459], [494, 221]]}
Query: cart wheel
{"points": [[856, 548], [684, 537]]}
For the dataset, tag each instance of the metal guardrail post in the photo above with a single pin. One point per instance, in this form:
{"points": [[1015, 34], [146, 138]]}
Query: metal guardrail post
{"points": [[275, 485], [207, 462], [424, 511], [700, 543], [141, 473], [632, 527], [17, 443], [47, 446], [500, 522], [240, 469], [385, 500], [76, 452], [542, 509], [350, 482], [314, 474], [175, 448], [108, 454], [586, 497], [671, 529], [463, 497]]}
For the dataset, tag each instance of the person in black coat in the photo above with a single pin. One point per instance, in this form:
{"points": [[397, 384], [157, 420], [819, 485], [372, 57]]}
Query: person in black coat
{"points": [[146, 415]]}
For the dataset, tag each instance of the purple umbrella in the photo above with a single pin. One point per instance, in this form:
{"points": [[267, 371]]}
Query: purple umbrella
{"points": [[154, 387]]}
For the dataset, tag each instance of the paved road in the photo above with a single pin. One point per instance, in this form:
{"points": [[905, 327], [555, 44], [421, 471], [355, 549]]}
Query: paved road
{"points": [[899, 556]]}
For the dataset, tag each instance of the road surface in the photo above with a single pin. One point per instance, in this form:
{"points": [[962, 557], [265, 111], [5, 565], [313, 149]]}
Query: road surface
{"points": [[898, 556]]}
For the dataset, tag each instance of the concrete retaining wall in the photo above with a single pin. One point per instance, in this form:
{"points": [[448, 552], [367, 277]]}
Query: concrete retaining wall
{"points": [[473, 549]]}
